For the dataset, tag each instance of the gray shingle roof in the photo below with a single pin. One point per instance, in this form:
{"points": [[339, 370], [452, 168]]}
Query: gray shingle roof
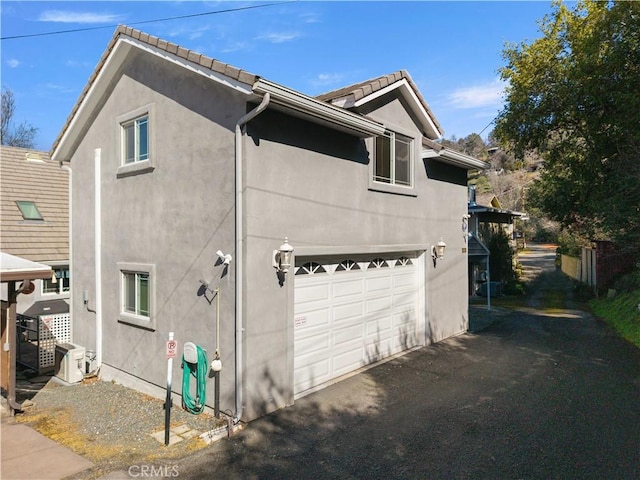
{"points": [[353, 93], [42, 181]]}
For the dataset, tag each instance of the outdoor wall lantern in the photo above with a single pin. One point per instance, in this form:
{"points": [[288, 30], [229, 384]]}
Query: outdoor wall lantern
{"points": [[282, 257], [437, 251], [224, 258]]}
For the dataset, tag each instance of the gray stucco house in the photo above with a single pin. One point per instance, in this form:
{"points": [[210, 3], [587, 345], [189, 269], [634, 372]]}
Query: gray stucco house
{"points": [[187, 176]]}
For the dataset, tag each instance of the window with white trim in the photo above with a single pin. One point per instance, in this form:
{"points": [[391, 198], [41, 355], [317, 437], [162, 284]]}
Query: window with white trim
{"points": [[137, 294], [60, 285], [393, 159], [135, 140]]}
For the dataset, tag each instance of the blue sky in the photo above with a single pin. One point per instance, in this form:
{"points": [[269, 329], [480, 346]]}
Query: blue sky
{"points": [[451, 49]]}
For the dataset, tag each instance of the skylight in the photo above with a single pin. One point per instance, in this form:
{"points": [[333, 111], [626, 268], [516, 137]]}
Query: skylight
{"points": [[29, 210]]}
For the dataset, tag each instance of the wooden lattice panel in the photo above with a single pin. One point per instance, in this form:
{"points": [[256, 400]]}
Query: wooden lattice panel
{"points": [[54, 329]]}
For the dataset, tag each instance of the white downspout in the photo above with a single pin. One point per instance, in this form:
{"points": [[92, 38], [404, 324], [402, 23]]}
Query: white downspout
{"points": [[98, 253], [239, 251], [67, 169]]}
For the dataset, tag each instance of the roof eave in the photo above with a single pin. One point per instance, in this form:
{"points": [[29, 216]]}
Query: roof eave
{"points": [[316, 110], [19, 269]]}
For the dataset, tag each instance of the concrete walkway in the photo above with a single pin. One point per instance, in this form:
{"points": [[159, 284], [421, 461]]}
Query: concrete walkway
{"points": [[28, 455]]}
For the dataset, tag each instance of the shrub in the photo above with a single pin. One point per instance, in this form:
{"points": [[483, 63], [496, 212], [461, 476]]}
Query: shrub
{"points": [[628, 282]]}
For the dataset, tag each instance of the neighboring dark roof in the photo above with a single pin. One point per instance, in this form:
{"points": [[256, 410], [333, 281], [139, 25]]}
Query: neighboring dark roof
{"points": [[500, 211], [30, 175], [47, 307], [190, 55], [475, 248], [353, 93]]}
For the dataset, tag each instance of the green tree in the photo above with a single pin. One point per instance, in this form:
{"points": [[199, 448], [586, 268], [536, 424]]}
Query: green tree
{"points": [[22, 135], [573, 97]]}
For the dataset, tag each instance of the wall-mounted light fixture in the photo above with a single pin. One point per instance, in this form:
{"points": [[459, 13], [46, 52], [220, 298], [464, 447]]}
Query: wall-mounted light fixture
{"points": [[282, 257], [225, 259], [437, 251]]}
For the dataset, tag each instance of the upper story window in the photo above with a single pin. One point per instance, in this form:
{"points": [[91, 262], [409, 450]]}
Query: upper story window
{"points": [[61, 283], [29, 210], [135, 140], [393, 159]]}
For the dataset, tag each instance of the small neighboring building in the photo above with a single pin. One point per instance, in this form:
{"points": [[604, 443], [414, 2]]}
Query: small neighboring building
{"points": [[193, 181], [34, 197], [485, 219]]}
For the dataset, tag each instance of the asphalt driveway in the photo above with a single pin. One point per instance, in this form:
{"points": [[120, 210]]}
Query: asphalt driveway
{"points": [[544, 392]]}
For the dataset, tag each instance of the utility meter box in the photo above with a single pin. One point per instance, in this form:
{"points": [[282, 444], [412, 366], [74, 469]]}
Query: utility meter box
{"points": [[70, 362]]}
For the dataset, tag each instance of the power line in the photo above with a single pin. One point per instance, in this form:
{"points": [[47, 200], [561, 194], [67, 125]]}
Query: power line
{"points": [[494, 119], [86, 29]]}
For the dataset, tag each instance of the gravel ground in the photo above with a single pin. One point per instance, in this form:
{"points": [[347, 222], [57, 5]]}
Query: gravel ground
{"points": [[111, 425]]}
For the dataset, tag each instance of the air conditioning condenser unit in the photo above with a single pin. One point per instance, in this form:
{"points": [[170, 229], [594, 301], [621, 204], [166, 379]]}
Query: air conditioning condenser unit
{"points": [[70, 362]]}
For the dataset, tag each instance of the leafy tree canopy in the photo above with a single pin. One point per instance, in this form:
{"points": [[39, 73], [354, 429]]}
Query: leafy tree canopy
{"points": [[573, 97], [22, 135]]}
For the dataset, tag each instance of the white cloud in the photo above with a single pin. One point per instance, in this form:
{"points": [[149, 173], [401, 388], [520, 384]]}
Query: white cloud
{"points": [[13, 63], [235, 47], [60, 89], [279, 37], [60, 16], [192, 33], [477, 96], [310, 18], [325, 79], [76, 64]]}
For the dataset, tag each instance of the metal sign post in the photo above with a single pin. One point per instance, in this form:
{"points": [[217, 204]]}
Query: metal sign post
{"points": [[172, 347]]}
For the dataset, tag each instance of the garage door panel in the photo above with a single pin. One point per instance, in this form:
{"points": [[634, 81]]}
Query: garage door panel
{"points": [[348, 361], [312, 319], [406, 279], [404, 300], [314, 343], [349, 335], [377, 325], [307, 376], [378, 284], [312, 293], [347, 288], [378, 348], [348, 311], [377, 305]]}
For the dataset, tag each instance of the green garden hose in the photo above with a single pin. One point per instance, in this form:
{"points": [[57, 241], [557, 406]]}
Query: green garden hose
{"points": [[199, 371]]}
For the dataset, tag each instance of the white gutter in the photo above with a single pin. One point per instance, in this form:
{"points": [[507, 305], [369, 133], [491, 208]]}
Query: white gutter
{"points": [[318, 110], [239, 252], [98, 253], [455, 158]]}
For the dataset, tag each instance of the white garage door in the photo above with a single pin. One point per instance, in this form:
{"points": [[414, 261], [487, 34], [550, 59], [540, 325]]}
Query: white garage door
{"points": [[352, 312]]}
